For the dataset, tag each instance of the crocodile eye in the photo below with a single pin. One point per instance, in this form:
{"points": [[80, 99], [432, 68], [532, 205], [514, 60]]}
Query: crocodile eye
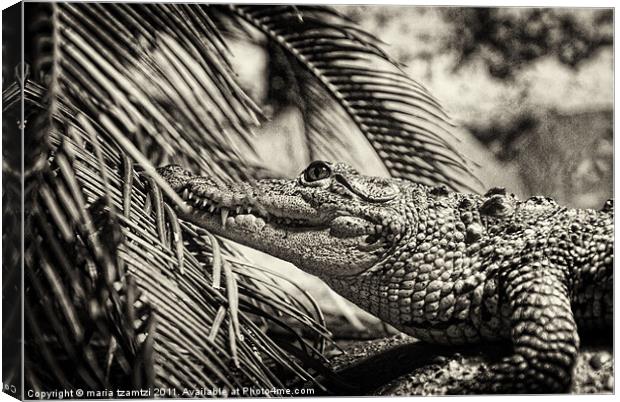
{"points": [[317, 171]]}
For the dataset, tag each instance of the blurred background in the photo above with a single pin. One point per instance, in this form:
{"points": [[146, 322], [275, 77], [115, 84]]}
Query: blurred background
{"points": [[533, 86], [531, 90]]}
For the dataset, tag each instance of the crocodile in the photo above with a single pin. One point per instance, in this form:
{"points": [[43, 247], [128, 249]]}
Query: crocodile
{"points": [[442, 266]]}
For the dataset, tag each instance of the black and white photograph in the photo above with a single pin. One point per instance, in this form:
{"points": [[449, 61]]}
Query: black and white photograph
{"points": [[232, 200]]}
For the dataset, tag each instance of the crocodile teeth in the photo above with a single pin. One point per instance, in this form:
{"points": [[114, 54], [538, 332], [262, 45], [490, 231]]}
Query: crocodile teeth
{"points": [[190, 195], [212, 208], [238, 210], [204, 203], [224, 215], [185, 193]]}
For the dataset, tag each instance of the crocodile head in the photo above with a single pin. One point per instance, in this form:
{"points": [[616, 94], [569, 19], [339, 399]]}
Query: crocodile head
{"points": [[329, 221]]}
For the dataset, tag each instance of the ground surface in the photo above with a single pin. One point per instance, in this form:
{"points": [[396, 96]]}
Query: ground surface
{"points": [[399, 365]]}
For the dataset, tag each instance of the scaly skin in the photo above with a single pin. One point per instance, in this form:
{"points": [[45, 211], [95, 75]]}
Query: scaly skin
{"points": [[442, 266]]}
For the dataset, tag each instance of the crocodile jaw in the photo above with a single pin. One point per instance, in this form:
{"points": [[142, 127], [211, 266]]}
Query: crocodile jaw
{"points": [[337, 245]]}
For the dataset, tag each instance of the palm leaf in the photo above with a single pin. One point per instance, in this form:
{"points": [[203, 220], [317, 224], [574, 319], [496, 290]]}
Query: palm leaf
{"points": [[119, 290], [332, 62], [139, 298], [83, 195]]}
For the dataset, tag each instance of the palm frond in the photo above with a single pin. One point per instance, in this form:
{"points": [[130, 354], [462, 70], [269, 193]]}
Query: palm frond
{"points": [[120, 292], [84, 196], [161, 69], [339, 70], [107, 258]]}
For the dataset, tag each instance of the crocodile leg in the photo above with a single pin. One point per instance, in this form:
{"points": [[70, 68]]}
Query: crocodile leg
{"points": [[543, 332]]}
